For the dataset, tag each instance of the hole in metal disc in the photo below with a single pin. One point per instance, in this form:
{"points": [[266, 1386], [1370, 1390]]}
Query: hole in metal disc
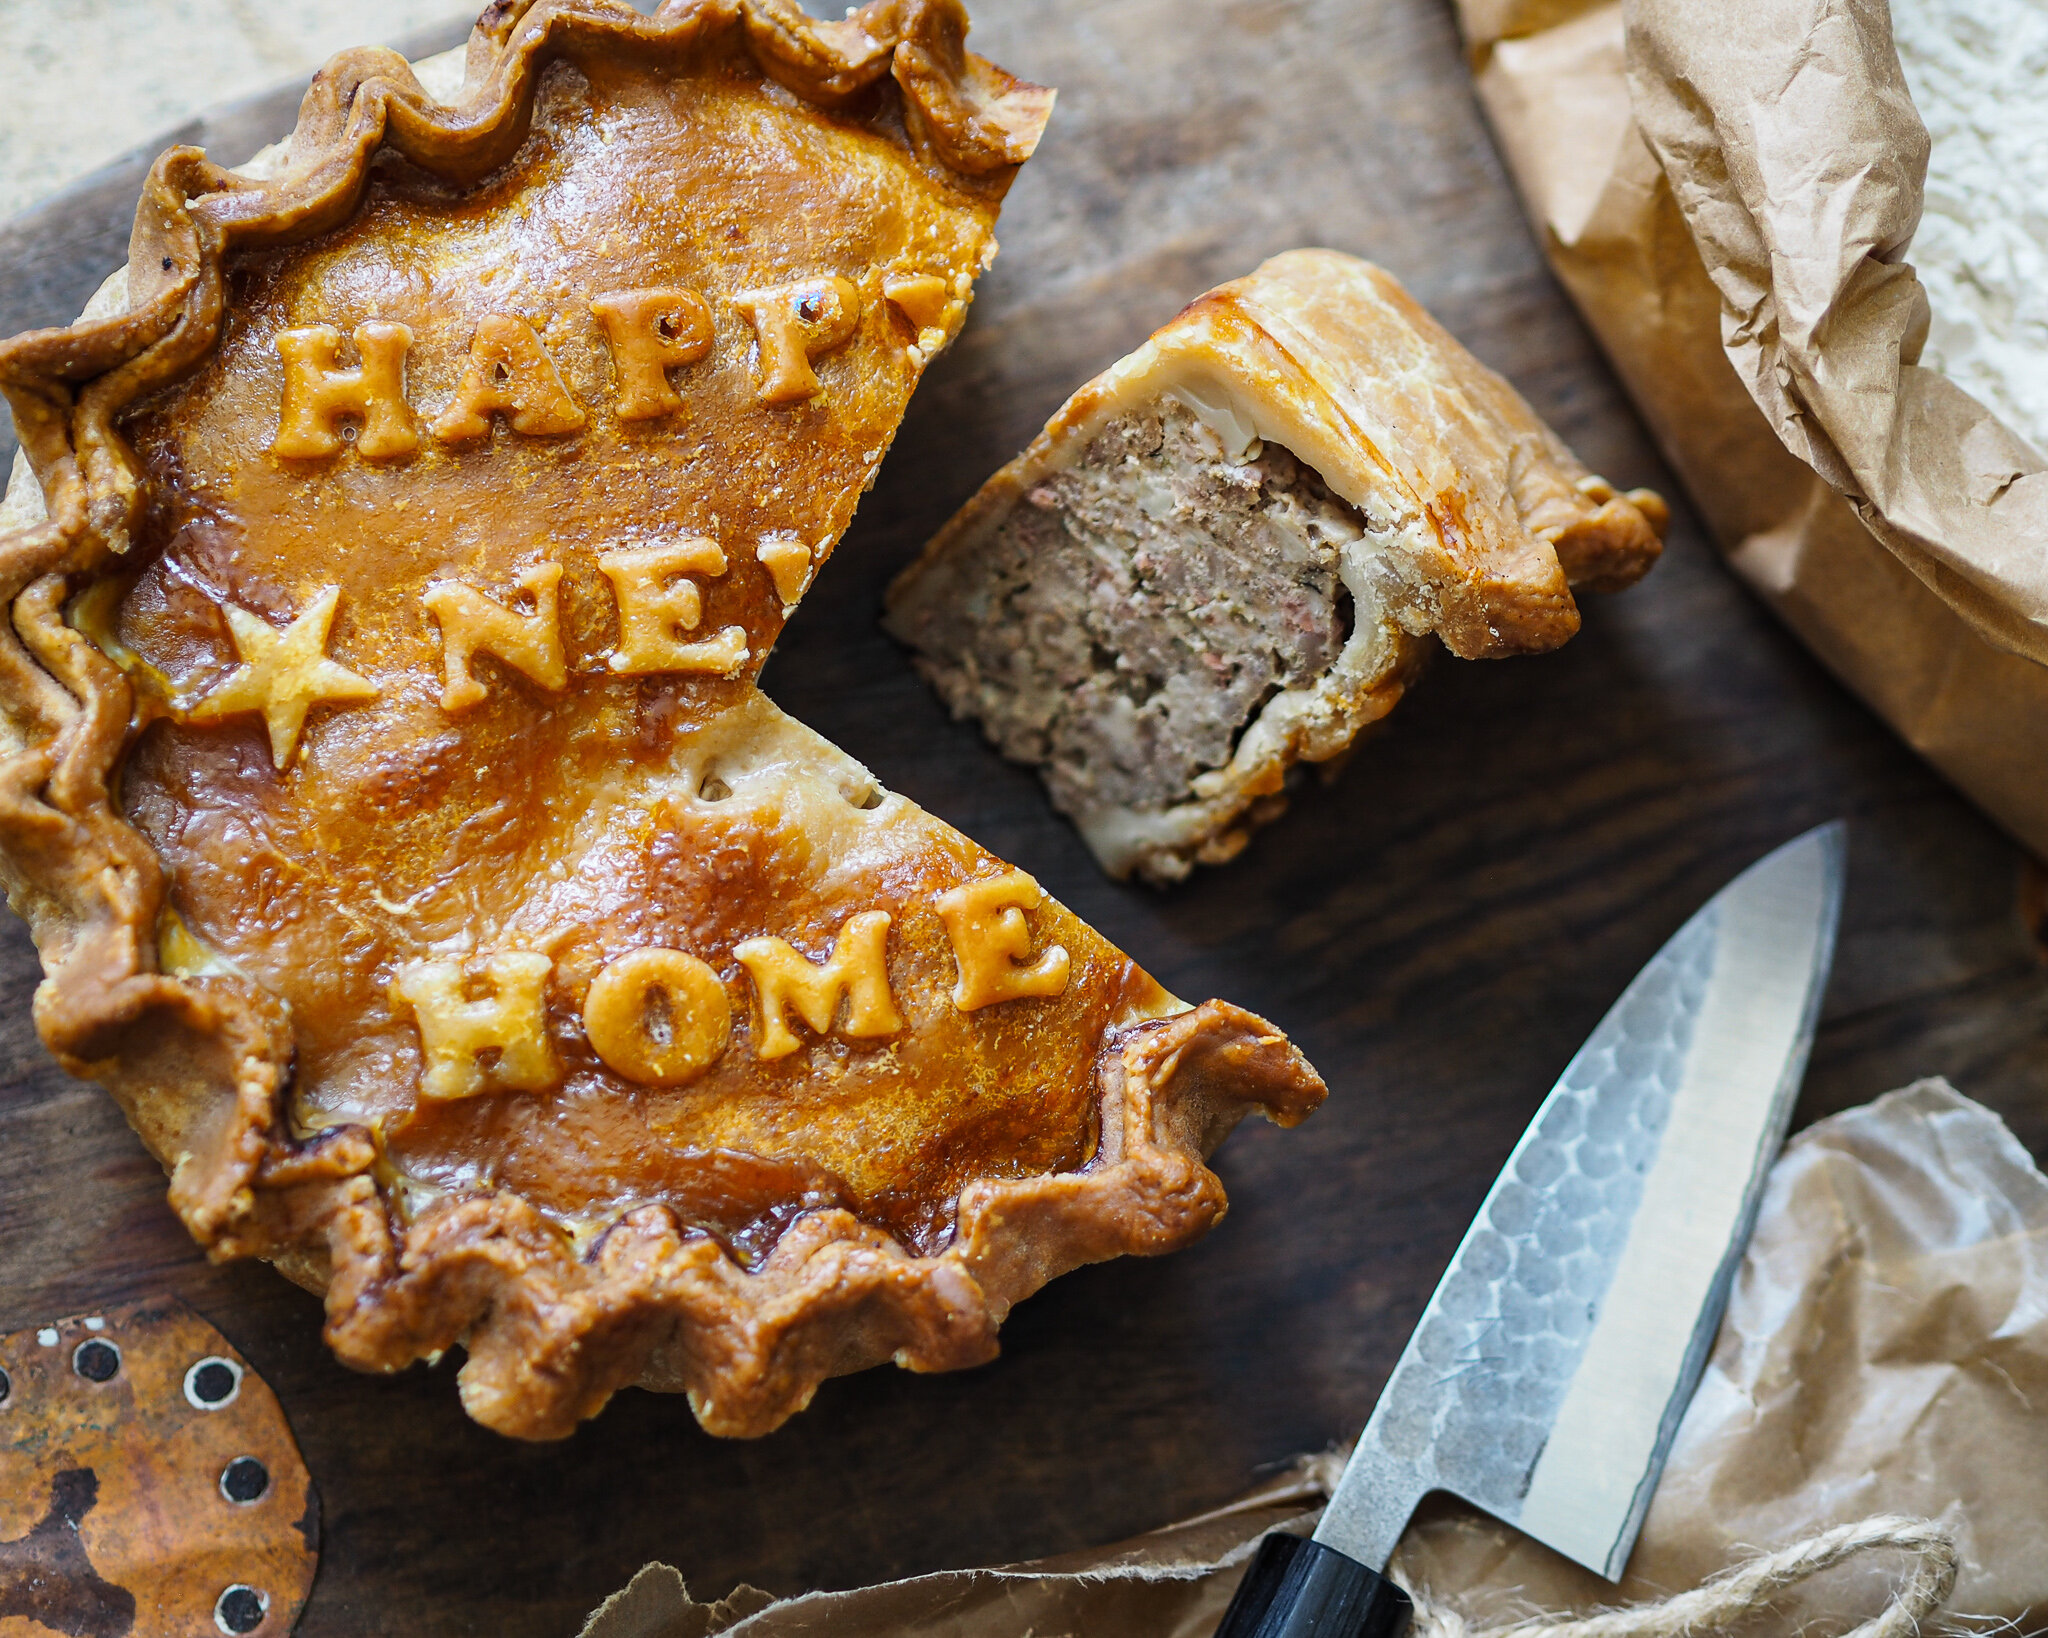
{"points": [[6, 1387], [244, 1480], [96, 1360], [213, 1383], [240, 1609]]}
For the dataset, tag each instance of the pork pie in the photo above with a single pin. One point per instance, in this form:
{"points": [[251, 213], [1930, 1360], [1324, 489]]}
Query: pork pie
{"points": [[1225, 554], [407, 844]]}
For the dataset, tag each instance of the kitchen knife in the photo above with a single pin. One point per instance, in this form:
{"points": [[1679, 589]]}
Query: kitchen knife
{"points": [[1547, 1376]]}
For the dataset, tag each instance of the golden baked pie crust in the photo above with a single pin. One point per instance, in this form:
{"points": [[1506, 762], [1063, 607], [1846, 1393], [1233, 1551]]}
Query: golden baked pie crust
{"points": [[1487, 522], [232, 834]]}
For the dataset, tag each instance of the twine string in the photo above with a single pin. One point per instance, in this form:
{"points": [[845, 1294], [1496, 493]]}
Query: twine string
{"points": [[1747, 1589]]}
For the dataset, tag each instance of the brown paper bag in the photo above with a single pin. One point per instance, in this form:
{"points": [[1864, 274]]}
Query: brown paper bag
{"points": [[1885, 1350], [1937, 619]]}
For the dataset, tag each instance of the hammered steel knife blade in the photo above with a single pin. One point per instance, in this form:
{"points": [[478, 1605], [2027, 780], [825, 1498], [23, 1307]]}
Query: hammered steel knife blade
{"points": [[1546, 1378]]}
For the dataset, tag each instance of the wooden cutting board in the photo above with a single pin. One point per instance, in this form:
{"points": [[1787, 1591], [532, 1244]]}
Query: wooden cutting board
{"points": [[1438, 927]]}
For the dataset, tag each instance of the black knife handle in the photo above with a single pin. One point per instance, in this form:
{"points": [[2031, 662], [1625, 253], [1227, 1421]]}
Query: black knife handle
{"points": [[1298, 1588]]}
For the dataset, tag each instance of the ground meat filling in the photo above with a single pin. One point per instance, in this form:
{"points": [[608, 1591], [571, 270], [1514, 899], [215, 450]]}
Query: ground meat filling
{"points": [[1137, 609]]}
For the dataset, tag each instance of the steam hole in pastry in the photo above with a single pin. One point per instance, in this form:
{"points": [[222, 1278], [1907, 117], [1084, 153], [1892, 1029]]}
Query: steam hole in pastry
{"points": [[501, 373], [657, 1017], [1134, 612], [865, 797], [714, 789], [809, 308]]}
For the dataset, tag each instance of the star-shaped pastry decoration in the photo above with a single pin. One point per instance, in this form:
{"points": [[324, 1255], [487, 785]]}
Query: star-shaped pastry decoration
{"points": [[283, 674]]}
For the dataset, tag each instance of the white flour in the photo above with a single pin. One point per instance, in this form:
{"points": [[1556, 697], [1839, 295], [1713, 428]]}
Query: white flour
{"points": [[1978, 71]]}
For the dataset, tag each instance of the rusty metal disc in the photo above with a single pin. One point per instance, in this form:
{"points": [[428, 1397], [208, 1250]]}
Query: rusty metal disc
{"points": [[148, 1484]]}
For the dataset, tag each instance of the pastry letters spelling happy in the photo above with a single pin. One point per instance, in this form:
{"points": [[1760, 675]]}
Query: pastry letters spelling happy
{"points": [[509, 371], [655, 1016]]}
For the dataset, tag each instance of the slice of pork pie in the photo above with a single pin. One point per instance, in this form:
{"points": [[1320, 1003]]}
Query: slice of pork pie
{"points": [[1226, 554], [408, 846]]}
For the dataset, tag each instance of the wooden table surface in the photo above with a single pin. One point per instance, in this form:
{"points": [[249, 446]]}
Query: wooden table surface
{"points": [[1438, 928]]}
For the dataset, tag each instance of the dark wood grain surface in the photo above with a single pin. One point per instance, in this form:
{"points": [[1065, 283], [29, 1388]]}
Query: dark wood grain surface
{"points": [[1438, 927]]}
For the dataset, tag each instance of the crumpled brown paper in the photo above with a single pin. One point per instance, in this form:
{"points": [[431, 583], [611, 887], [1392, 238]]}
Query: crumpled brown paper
{"points": [[1890, 519], [1885, 1350]]}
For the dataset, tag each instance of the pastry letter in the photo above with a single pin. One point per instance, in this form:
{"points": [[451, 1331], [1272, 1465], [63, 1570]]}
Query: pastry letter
{"points": [[788, 562], [454, 1032], [793, 323], [657, 1017], [652, 332], [985, 921], [654, 605], [283, 674], [509, 373], [858, 971], [922, 297], [471, 623], [318, 392]]}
